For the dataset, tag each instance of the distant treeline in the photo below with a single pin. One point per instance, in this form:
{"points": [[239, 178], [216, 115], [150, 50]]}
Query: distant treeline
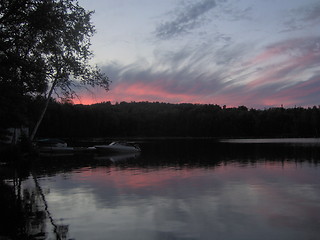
{"points": [[146, 119]]}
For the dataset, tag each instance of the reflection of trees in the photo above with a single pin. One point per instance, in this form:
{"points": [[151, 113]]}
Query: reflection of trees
{"points": [[35, 216], [25, 212], [22, 216], [210, 152], [59, 230]]}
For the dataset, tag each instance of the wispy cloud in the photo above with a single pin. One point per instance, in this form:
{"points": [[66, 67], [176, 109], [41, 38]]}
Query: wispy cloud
{"points": [[229, 77], [232, 60], [300, 18], [231, 12], [185, 19]]}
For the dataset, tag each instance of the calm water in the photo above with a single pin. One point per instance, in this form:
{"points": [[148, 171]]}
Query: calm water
{"points": [[180, 189]]}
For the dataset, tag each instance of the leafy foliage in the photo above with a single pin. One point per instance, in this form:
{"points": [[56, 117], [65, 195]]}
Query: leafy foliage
{"points": [[46, 42]]}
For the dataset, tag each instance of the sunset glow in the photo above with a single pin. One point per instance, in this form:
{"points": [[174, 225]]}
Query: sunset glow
{"points": [[215, 52]]}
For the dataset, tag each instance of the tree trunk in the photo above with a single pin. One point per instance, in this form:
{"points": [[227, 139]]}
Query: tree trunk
{"points": [[34, 132]]}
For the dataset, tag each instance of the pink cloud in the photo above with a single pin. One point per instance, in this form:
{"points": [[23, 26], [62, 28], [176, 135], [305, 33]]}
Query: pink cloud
{"points": [[139, 91], [271, 78], [293, 94], [275, 50], [293, 67]]}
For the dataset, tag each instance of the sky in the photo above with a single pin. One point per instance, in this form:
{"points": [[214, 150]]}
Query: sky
{"points": [[255, 53]]}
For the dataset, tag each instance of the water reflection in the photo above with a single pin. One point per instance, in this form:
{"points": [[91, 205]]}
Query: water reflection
{"points": [[294, 141], [25, 212], [116, 157], [178, 190], [265, 201]]}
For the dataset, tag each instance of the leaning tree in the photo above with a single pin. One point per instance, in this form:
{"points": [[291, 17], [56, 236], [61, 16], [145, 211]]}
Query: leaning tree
{"points": [[45, 48]]}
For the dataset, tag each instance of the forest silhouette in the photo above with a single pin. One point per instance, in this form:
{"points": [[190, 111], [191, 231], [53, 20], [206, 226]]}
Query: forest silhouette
{"points": [[155, 119]]}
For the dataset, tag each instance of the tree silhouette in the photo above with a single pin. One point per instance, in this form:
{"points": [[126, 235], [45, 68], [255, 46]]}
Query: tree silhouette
{"points": [[44, 46]]}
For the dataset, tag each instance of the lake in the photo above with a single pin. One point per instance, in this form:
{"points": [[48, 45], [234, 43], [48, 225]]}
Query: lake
{"points": [[178, 189]]}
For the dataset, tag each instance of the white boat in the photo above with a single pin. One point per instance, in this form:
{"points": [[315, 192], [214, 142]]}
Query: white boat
{"points": [[118, 147]]}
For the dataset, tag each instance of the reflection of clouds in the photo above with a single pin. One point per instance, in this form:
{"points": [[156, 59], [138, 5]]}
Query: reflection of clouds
{"points": [[229, 201], [307, 191], [296, 209]]}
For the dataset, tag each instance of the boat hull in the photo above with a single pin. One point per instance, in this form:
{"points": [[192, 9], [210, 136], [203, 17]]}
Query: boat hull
{"points": [[116, 149]]}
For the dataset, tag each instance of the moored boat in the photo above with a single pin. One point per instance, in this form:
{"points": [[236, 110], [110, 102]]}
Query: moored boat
{"points": [[53, 145], [119, 147]]}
